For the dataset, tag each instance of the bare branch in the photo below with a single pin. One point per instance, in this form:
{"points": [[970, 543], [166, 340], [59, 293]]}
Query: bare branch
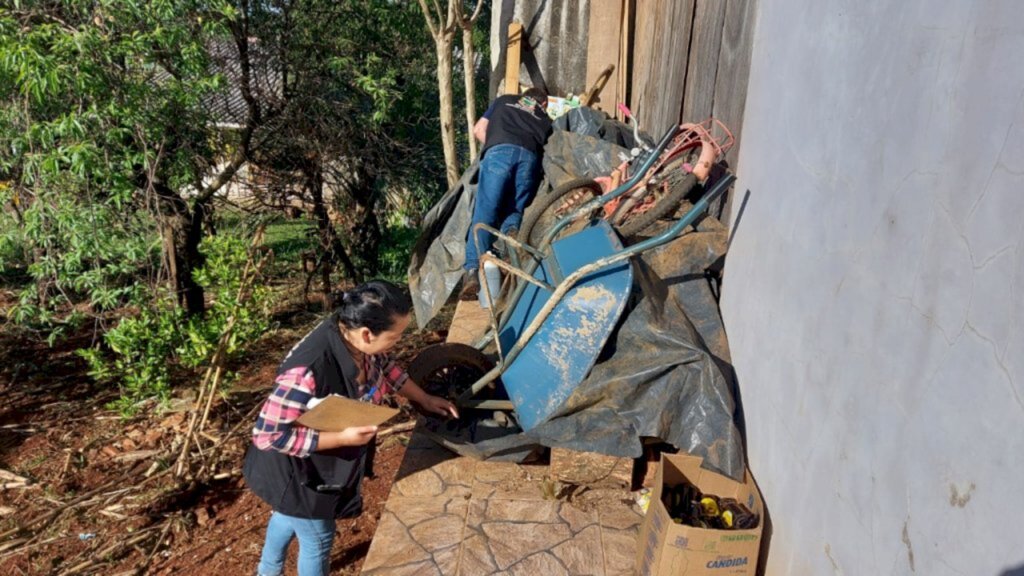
{"points": [[430, 21], [476, 13], [452, 20]]}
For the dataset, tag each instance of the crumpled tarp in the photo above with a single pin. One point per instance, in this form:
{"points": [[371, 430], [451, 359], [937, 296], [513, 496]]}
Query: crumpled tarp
{"points": [[435, 267], [590, 122], [436, 264], [664, 374], [568, 155]]}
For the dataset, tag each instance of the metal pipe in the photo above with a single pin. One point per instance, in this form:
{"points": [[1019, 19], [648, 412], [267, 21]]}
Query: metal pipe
{"points": [[537, 254], [488, 404], [515, 271]]}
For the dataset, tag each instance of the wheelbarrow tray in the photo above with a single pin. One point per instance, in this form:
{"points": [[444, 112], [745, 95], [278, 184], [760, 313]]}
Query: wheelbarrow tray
{"points": [[565, 347]]}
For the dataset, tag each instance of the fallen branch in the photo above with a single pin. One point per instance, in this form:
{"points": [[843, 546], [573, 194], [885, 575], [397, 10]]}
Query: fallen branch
{"points": [[12, 477], [396, 429], [140, 537], [156, 547], [136, 455]]}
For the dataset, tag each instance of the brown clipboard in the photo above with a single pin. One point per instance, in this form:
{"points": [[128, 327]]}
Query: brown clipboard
{"points": [[335, 413]]}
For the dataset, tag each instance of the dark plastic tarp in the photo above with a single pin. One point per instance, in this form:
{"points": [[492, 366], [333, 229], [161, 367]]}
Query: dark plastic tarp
{"points": [[436, 264], [664, 374]]}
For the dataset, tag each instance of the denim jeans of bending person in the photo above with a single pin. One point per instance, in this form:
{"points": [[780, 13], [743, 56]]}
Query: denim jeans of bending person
{"points": [[509, 175], [315, 540]]}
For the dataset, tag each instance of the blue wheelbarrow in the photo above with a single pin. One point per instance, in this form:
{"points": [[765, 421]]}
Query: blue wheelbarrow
{"points": [[561, 308]]}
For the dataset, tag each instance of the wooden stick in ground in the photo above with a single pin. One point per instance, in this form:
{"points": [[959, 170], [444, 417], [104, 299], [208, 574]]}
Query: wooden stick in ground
{"points": [[396, 429]]}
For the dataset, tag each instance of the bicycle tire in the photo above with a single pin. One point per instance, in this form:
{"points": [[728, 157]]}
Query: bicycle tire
{"points": [[634, 225], [539, 212]]}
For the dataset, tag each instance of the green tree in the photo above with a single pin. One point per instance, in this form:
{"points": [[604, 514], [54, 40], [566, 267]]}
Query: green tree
{"points": [[107, 111], [356, 119]]}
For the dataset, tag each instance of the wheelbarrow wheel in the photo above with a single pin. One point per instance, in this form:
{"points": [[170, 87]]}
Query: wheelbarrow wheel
{"points": [[666, 198], [447, 370], [547, 209]]}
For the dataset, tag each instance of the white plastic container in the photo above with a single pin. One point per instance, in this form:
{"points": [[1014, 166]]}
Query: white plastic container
{"points": [[492, 274]]}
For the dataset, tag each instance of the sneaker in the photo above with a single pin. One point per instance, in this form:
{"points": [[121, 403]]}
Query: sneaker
{"points": [[470, 286]]}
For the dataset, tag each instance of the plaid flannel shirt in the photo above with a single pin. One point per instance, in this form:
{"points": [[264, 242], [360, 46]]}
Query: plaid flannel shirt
{"points": [[276, 428]]}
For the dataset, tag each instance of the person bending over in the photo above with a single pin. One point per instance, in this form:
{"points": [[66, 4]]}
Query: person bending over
{"points": [[513, 131], [308, 477]]}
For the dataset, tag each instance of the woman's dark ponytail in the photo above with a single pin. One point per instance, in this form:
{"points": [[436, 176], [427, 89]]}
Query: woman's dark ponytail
{"points": [[374, 305]]}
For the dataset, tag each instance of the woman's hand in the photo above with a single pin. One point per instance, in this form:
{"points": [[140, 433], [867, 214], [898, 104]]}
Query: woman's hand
{"points": [[352, 436], [434, 404], [439, 405]]}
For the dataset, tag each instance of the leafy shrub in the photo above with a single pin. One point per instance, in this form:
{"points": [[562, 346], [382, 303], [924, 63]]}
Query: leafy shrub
{"points": [[146, 349], [395, 252]]}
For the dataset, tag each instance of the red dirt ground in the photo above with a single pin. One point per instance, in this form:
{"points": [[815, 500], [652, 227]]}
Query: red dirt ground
{"points": [[56, 431]]}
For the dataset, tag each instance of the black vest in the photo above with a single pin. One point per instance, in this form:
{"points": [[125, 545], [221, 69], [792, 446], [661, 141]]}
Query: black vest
{"points": [[325, 485]]}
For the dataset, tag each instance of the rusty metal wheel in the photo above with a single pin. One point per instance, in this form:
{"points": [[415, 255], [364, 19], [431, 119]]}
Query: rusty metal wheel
{"points": [[547, 209], [447, 370]]}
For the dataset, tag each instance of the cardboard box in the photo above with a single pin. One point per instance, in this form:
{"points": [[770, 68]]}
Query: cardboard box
{"points": [[668, 548]]}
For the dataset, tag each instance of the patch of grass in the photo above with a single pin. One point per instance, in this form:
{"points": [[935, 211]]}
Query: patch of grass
{"points": [[288, 239]]}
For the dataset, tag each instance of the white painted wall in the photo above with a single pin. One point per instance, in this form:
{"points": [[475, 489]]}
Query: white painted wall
{"points": [[874, 293]]}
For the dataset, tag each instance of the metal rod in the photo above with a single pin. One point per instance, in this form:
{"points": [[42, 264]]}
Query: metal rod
{"points": [[537, 254], [517, 272], [488, 404], [479, 384]]}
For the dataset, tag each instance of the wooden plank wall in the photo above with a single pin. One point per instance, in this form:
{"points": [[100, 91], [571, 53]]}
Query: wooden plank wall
{"points": [[604, 48], [734, 67], [677, 60], [686, 59], [661, 45]]}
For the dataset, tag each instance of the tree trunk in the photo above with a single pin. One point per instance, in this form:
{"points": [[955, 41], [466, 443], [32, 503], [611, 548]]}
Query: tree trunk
{"points": [[468, 69], [443, 43], [181, 230], [315, 185], [330, 247], [362, 189]]}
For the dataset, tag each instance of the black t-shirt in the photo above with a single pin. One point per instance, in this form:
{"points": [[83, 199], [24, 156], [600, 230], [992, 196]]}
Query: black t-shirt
{"points": [[517, 120]]}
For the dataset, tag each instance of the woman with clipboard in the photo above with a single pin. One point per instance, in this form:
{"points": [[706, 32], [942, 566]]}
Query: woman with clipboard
{"points": [[312, 477]]}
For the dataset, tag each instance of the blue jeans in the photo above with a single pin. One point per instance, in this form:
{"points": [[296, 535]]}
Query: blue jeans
{"points": [[509, 175], [315, 540]]}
